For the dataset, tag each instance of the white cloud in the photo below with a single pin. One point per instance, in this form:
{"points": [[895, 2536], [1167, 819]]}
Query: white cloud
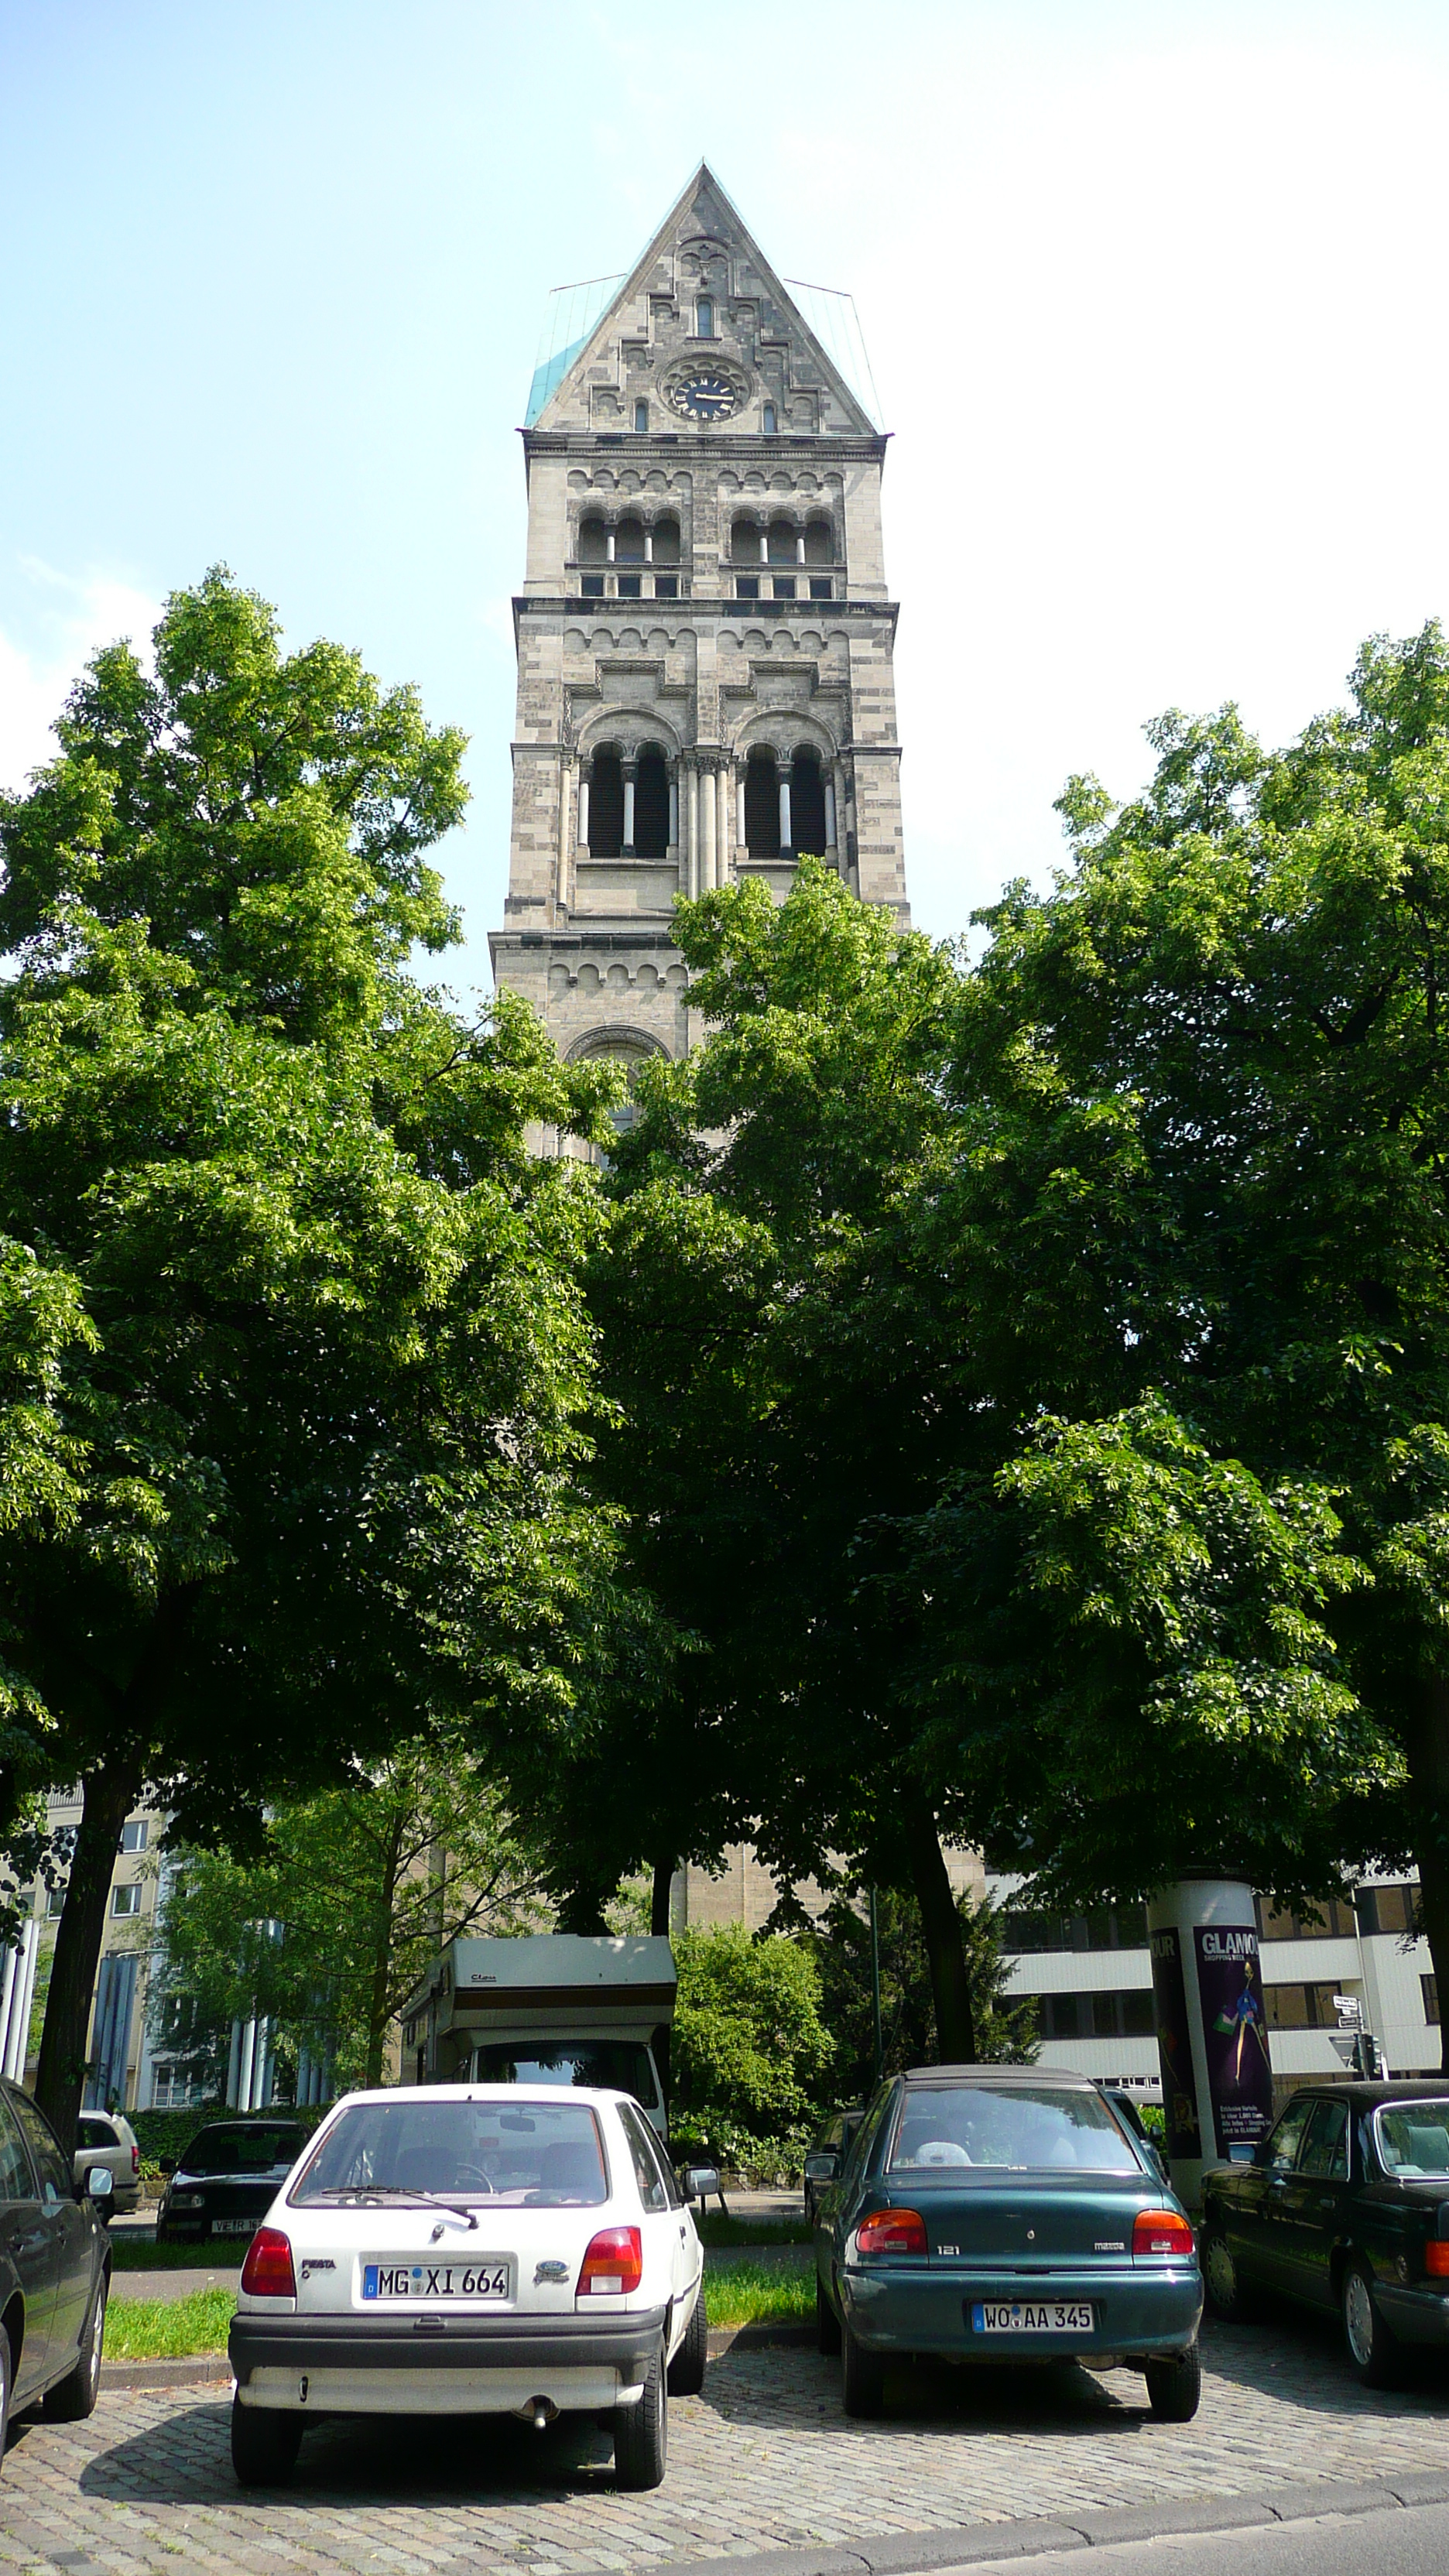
{"points": [[69, 617]]}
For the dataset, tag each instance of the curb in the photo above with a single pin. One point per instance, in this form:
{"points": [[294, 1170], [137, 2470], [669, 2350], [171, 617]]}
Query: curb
{"points": [[198, 2370], [982, 2544], [723, 2339]]}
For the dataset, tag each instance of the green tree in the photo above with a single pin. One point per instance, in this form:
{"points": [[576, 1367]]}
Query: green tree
{"points": [[329, 1928], [292, 1352], [749, 2049], [1004, 2029]]}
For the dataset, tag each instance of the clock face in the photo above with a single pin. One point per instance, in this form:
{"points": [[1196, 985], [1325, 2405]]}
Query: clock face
{"points": [[705, 394]]}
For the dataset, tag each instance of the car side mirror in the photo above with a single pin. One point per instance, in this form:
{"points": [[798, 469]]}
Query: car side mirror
{"points": [[701, 2182], [166, 2165], [822, 2166], [100, 2182], [1263, 2152]]}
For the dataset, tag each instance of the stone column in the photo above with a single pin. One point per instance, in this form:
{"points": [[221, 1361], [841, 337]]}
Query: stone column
{"points": [[691, 829], [674, 805], [631, 771], [561, 879], [708, 807], [1212, 2026], [724, 870], [584, 812], [609, 546], [740, 797], [799, 545], [785, 841], [830, 813]]}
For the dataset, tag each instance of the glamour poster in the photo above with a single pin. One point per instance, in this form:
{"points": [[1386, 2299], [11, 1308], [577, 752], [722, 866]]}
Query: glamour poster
{"points": [[1174, 2046], [1235, 2035]]}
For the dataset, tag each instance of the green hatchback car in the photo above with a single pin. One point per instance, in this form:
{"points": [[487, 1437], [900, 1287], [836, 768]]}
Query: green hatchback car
{"points": [[995, 2213]]}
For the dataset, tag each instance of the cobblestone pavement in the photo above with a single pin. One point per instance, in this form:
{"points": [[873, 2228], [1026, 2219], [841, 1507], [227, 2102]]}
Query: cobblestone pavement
{"points": [[764, 2460]]}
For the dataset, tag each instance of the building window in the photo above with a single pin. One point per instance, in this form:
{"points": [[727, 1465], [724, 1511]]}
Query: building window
{"points": [[745, 545], [819, 542], [1387, 1909], [1429, 1988], [1105, 1928], [641, 417], [591, 585], [704, 318], [1302, 2007], [593, 542], [1335, 1922], [666, 585], [748, 586], [651, 806], [606, 806], [631, 585], [126, 1900], [769, 423], [783, 588], [133, 1835], [1124, 2014], [821, 589], [781, 546], [664, 542], [629, 541], [54, 1904], [762, 806], [807, 805]]}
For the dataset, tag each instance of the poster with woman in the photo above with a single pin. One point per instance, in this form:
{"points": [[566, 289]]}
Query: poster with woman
{"points": [[1235, 2036]]}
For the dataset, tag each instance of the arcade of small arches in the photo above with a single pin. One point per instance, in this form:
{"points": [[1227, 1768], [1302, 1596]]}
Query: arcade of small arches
{"points": [[785, 803]]}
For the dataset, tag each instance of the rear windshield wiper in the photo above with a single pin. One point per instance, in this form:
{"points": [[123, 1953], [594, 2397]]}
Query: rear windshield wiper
{"points": [[400, 2192]]}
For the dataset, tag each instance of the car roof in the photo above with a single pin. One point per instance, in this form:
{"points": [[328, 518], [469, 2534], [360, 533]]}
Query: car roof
{"points": [[1368, 2097], [1006, 2078], [506, 2096]]}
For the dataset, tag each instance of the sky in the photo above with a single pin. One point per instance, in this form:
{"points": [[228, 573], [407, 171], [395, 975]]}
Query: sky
{"points": [[1154, 297]]}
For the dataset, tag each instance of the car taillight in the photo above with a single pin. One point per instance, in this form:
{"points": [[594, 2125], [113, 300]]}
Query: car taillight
{"points": [[614, 2262], [1436, 2257], [1161, 2231], [267, 2272], [891, 2231], [135, 2162]]}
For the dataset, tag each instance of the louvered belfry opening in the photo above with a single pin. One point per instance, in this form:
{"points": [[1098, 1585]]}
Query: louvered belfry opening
{"points": [[762, 806], [651, 806], [807, 804], [606, 806]]}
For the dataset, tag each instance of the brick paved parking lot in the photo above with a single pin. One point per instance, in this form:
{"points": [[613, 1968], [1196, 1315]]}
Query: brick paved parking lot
{"points": [[764, 2460]]}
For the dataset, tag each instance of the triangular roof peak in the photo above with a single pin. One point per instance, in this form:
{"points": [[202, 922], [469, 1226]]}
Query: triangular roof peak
{"points": [[703, 298]]}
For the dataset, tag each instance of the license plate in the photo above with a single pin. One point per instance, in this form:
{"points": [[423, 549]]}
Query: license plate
{"points": [[1033, 2316], [234, 2227], [490, 2277]]}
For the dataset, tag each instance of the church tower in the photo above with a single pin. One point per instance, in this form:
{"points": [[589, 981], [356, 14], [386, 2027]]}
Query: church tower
{"points": [[705, 682]]}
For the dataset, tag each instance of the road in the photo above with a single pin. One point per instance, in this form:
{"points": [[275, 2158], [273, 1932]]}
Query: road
{"points": [[1376, 2544]]}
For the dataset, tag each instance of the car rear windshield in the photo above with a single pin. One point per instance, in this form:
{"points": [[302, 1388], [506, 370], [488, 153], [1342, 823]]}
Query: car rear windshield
{"points": [[1046, 2129], [242, 2151], [539, 2155], [605, 2065], [1414, 2139]]}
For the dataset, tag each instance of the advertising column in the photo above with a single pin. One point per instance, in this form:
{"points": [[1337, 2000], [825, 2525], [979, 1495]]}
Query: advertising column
{"points": [[1212, 2026]]}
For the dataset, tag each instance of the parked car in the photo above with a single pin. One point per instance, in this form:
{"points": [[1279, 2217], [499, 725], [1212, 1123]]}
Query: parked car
{"points": [[1125, 2106], [824, 2159], [991, 2213], [107, 2138], [227, 2179], [479, 2250], [55, 2269], [1345, 2206]]}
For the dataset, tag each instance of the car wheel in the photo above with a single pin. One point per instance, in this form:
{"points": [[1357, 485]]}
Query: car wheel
{"points": [[1174, 2388], [264, 2444], [641, 2434], [686, 2370], [827, 2323], [74, 2398], [862, 2377], [1228, 2294], [1374, 2352]]}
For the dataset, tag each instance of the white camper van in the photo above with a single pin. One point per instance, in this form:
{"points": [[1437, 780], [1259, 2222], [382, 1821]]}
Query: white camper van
{"points": [[550, 2008]]}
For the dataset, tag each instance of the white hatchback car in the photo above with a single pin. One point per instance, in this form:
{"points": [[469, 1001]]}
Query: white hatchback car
{"points": [[471, 2249]]}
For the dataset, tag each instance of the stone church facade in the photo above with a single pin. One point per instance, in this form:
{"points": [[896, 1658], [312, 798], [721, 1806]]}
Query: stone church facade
{"points": [[706, 687], [704, 634]]}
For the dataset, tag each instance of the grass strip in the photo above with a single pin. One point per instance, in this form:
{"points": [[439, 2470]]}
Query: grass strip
{"points": [[168, 2329], [751, 2294], [715, 2230]]}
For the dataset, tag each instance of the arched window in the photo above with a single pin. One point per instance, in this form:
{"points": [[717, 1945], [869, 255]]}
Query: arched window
{"points": [[762, 806], [704, 318], [606, 806], [807, 803], [593, 542], [666, 541], [641, 416], [651, 806], [819, 542], [782, 541], [629, 541], [745, 542], [768, 424]]}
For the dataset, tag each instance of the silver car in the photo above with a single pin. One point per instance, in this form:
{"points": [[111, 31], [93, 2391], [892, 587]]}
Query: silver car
{"points": [[107, 2138]]}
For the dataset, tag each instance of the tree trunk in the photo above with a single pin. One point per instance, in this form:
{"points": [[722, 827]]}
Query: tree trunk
{"points": [[941, 1929], [659, 1897], [379, 2010], [1427, 1746], [108, 1795]]}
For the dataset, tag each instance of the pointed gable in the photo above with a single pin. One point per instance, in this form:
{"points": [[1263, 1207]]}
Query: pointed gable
{"points": [[643, 344]]}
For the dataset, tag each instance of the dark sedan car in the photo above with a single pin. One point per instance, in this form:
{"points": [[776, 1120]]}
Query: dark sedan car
{"points": [[55, 2270], [990, 2214], [227, 2180], [1345, 2206]]}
